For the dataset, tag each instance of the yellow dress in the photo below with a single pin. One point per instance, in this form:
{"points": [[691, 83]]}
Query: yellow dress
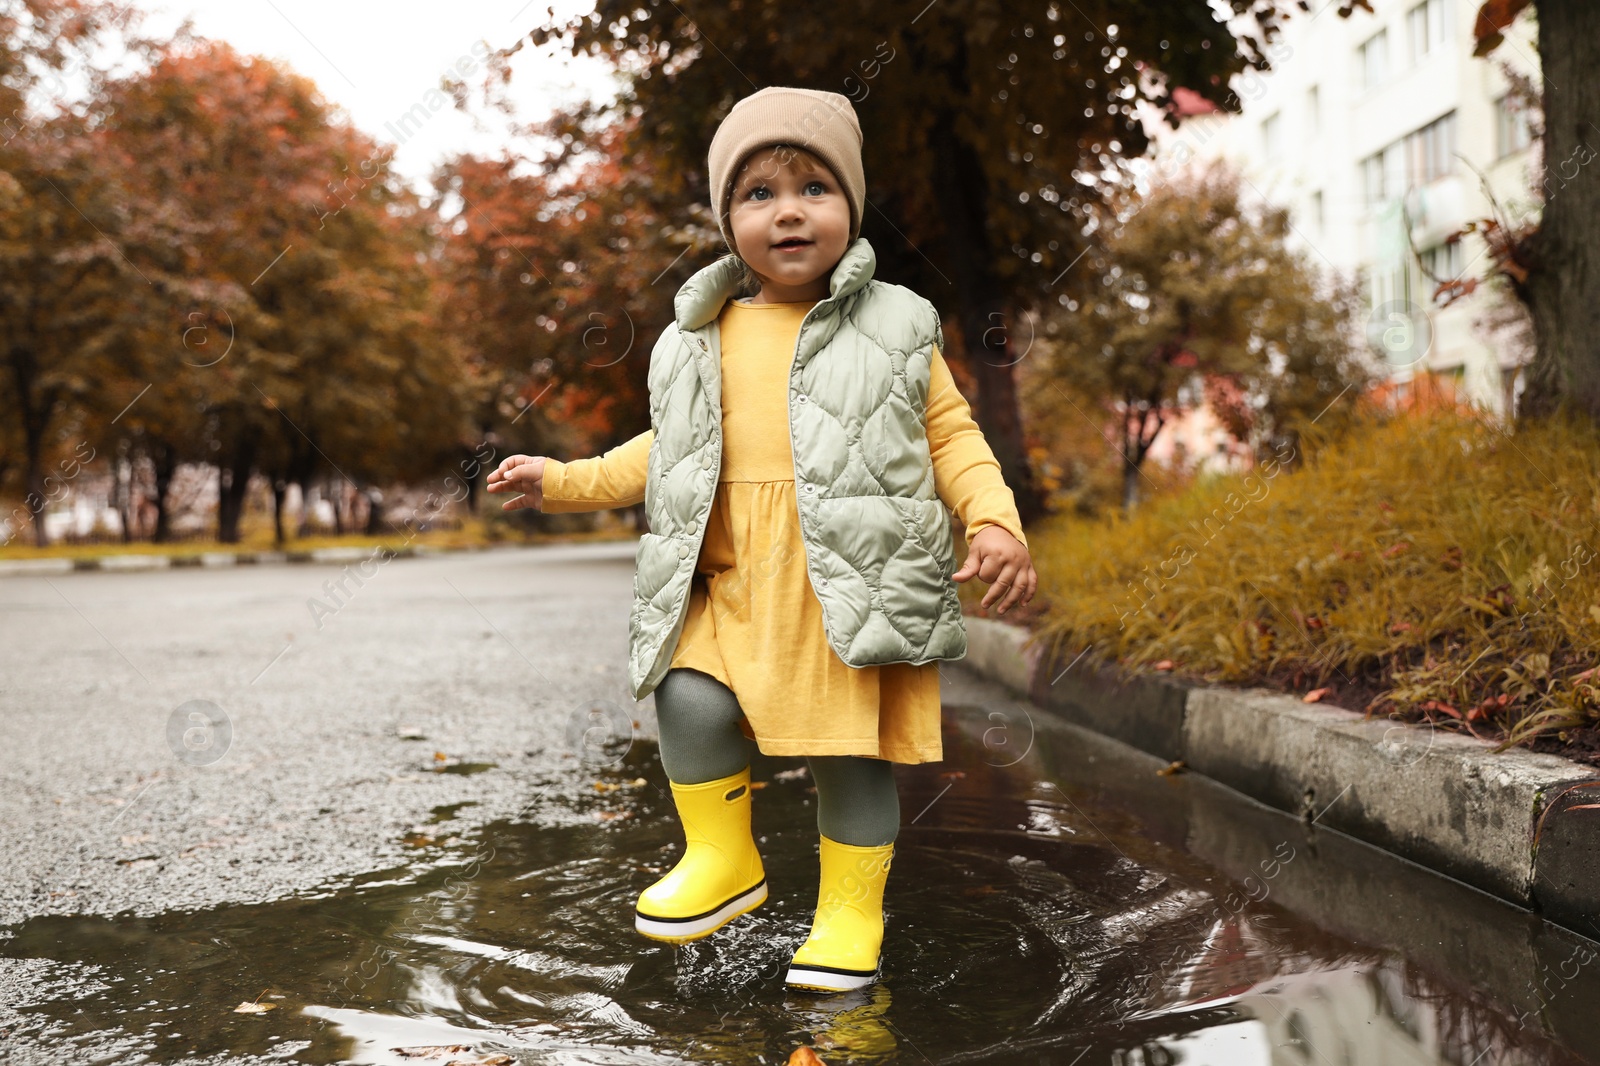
{"points": [[754, 622]]}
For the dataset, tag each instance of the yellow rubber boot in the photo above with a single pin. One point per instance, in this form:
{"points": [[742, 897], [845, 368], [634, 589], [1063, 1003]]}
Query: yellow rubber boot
{"points": [[720, 875], [847, 932]]}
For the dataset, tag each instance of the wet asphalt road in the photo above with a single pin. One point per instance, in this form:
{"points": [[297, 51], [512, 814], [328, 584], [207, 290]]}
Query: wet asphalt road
{"points": [[324, 752]]}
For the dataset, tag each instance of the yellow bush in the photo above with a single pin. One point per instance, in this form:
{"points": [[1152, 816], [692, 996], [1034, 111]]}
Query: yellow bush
{"points": [[1435, 560]]}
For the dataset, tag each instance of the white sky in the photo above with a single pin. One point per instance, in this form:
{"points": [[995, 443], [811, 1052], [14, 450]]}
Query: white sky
{"points": [[377, 60]]}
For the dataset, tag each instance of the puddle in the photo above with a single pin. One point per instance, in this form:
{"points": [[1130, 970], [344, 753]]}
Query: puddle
{"points": [[1069, 907], [449, 811], [450, 766]]}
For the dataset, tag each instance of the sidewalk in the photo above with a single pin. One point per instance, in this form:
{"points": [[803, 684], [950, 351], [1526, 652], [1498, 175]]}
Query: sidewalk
{"points": [[154, 561], [345, 554], [1511, 824]]}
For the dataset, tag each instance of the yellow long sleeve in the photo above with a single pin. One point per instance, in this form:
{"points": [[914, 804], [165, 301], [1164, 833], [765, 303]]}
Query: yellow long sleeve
{"points": [[615, 479], [965, 472]]}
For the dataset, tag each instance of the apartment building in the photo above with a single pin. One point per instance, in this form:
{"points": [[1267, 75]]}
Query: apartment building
{"points": [[1368, 122]]}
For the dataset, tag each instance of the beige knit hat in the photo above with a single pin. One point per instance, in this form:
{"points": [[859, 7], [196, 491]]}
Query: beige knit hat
{"points": [[821, 122]]}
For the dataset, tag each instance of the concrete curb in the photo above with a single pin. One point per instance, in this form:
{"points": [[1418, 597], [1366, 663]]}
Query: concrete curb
{"points": [[1515, 824], [152, 561]]}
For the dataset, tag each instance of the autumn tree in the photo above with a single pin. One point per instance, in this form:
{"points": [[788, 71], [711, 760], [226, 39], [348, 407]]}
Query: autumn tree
{"points": [[302, 322], [63, 268], [1201, 295], [989, 128], [562, 272]]}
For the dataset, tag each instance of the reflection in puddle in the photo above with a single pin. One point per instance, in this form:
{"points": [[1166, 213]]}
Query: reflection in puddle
{"points": [[1060, 910]]}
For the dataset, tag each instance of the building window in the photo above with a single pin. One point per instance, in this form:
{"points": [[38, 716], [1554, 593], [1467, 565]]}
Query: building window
{"points": [[1384, 173], [1432, 149], [1372, 177], [1427, 28], [1443, 261], [1374, 60], [1421, 156], [1272, 134], [1511, 127], [1313, 111]]}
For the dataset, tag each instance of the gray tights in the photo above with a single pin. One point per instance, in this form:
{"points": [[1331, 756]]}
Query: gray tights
{"points": [[700, 741]]}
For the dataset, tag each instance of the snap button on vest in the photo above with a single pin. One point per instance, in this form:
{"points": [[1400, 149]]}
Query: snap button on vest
{"points": [[869, 513]]}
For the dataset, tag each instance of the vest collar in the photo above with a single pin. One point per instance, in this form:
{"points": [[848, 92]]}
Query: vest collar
{"points": [[701, 298]]}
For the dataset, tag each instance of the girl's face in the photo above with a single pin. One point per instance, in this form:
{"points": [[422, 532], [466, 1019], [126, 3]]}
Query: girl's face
{"points": [[790, 222]]}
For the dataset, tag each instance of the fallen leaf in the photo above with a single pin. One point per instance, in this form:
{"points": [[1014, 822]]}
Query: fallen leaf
{"points": [[430, 1051], [1585, 807], [1316, 694], [611, 816], [440, 756], [1164, 664], [254, 1008], [1436, 705], [1171, 768], [612, 786], [757, 784], [804, 1056], [1400, 627], [953, 775], [1396, 549]]}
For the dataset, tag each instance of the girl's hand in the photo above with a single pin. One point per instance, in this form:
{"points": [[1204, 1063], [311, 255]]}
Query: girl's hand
{"points": [[1002, 562], [519, 473]]}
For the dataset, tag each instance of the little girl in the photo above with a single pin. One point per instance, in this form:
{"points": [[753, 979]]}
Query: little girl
{"points": [[794, 590]]}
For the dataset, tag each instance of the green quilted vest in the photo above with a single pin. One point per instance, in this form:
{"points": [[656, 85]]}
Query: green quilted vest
{"points": [[879, 547]]}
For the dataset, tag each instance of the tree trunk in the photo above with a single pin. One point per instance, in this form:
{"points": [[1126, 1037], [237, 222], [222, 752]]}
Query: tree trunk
{"points": [[1565, 272], [37, 497], [374, 512], [336, 497], [123, 497], [962, 191], [234, 486], [305, 507], [280, 489], [164, 461], [35, 417]]}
